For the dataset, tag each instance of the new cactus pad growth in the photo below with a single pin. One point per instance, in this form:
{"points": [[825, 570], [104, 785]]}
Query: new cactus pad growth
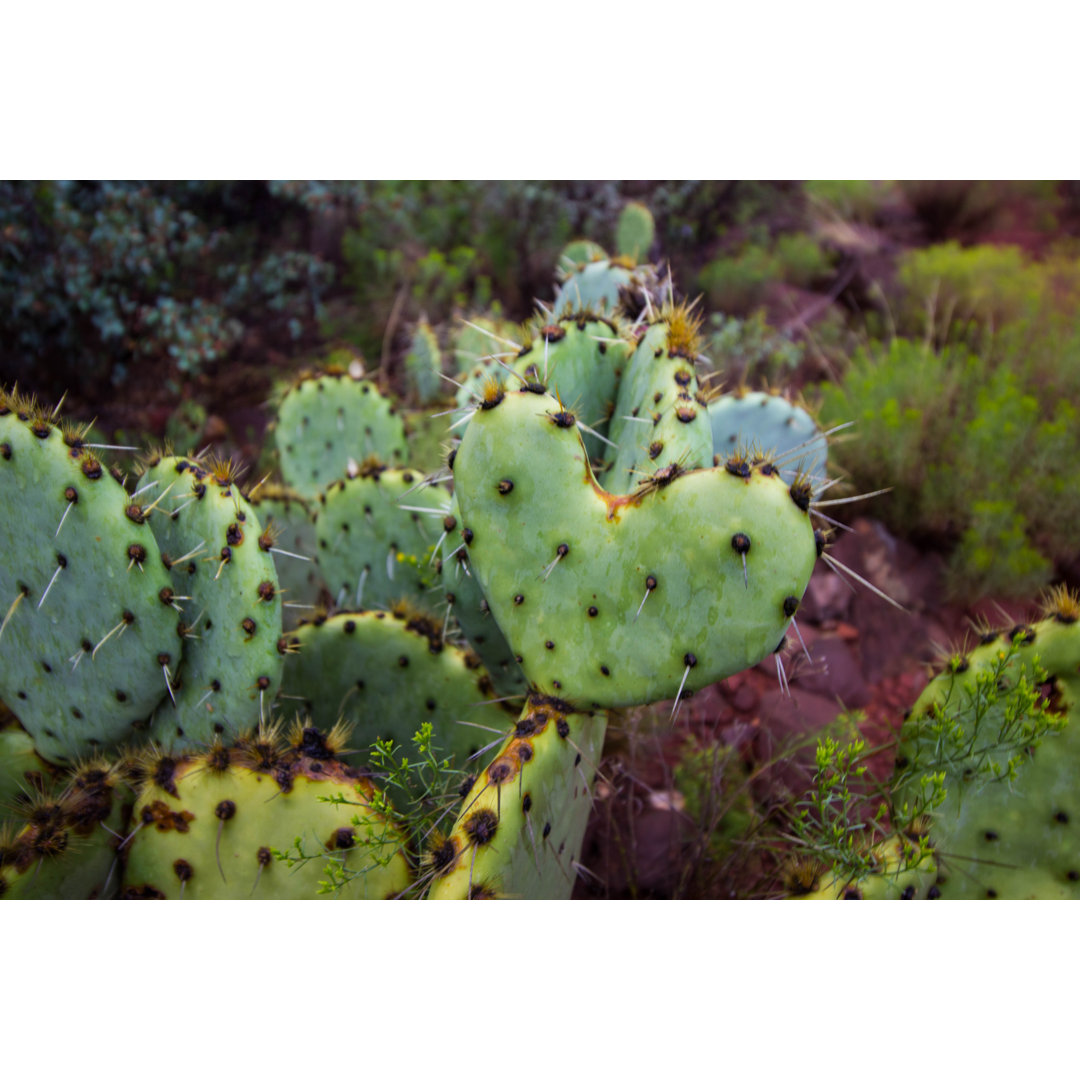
{"points": [[208, 826], [660, 420], [614, 600], [83, 621]]}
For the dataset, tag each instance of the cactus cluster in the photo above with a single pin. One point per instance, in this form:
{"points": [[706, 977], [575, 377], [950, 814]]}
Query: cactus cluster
{"points": [[587, 544]]}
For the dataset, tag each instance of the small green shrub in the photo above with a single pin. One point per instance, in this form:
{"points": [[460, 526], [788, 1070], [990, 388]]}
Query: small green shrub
{"points": [[978, 457], [735, 284], [857, 201]]}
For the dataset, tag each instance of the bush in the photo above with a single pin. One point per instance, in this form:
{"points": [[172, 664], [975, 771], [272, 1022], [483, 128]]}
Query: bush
{"points": [[736, 284], [979, 456], [97, 277]]}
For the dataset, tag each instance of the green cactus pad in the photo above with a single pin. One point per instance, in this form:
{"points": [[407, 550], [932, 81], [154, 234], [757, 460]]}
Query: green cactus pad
{"points": [[660, 419], [208, 827], [1007, 827], [327, 421], [22, 772], [220, 562], [771, 424], [635, 231], [69, 846], [469, 608], [577, 253], [520, 832], [903, 872], [291, 521], [616, 600], [423, 366], [385, 673], [480, 336], [375, 533], [602, 286], [81, 583]]}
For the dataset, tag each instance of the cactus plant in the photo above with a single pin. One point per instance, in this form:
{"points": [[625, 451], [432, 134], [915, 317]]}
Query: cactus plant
{"points": [[88, 634]]}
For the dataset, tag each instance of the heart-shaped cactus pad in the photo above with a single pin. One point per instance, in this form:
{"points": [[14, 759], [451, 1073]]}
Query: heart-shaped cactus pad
{"points": [[612, 600]]}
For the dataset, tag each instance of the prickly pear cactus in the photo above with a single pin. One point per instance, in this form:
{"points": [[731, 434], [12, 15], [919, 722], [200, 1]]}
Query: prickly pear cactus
{"points": [[999, 725], [224, 581], [635, 232], [613, 600], [386, 672], [86, 623], [290, 521], [68, 847], [208, 826], [520, 831], [902, 871], [326, 421], [376, 531], [604, 286], [423, 366], [770, 423], [23, 773], [660, 419]]}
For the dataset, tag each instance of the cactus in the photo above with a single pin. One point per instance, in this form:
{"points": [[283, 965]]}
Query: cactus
{"points": [[1007, 753], [423, 366], [87, 627], [385, 672], [605, 286], [521, 828], [221, 566], [660, 420], [635, 232], [578, 357], [290, 520], [579, 252], [614, 600], [375, 532], [68, 846], [326, 421], [902, 870], [23, 774], [208, 826], [767, 422]]}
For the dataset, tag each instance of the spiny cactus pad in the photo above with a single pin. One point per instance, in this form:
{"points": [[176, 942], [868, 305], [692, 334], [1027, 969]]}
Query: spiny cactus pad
{"points": [[903, 871], [771, 424], [207, 827], [375, 532], [660, 419], [423, 366], [221, 565], [385, 673], [615, 600], [326, 421], [1008, 824], [81, 586], [291, 522], [635, 231], [602, 286], [68, 846], [22, 772], [522, 825]]}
